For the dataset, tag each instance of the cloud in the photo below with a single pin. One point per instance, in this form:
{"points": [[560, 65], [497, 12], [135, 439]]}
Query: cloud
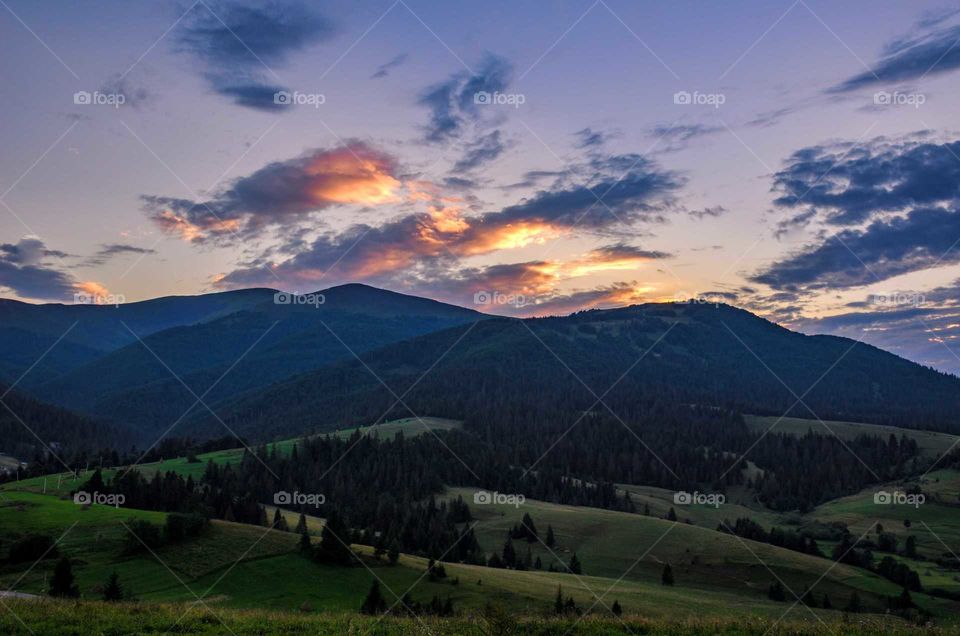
{"points": [[23, 271], [135, 95], [849, 183], [682, 132], [922, 239], [484, 150], [923, 326], [933, 52], [524, 286], [384, 69], [588, 138], [452, 102], [237, 46], [362, 252], [280, 192], [110, 250], [711, 211]]}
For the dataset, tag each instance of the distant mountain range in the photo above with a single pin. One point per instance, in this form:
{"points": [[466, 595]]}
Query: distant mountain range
{"points": [[268, 367]]}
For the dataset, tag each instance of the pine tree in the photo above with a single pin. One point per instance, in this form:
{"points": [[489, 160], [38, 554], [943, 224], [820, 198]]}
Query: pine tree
{"points": [[672, 514], [333, 548], [910, 549], [667, 577], [826, 604], [616, 609], [509, 553], [113, 591], [528, 527], [558, 602], [575, 564], [551, 540], [301, 523], [853, 605], [538, 564], [280, 522], [62, 585], [394, 553], [374, 603]]}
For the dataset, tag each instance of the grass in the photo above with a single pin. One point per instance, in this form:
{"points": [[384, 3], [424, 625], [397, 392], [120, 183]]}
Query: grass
{"points": [[931, 444], [61, 618], [705, 562]]}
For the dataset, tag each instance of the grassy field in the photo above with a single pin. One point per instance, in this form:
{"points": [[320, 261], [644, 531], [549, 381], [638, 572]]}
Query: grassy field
{"points": [[239, 566], [931, 444], [614, 544], [58, 618]]}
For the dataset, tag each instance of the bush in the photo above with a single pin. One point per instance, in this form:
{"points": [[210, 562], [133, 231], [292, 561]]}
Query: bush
{"points": [[31, 548], [182, 526]]}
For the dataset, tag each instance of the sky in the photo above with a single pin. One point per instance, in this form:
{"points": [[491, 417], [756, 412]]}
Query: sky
{"points": [[797, 159]]}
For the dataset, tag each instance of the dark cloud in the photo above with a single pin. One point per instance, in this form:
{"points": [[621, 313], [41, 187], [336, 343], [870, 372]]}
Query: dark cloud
{"points": [[922, 239], [110, 250], [850, 183], [384, 69], [682, 132], [452, 102], [256, 96], [237, 46], [588, 138], [484, 150], [932, 52], [630, 188], [622, 251], [23, 271], [770, 117]]}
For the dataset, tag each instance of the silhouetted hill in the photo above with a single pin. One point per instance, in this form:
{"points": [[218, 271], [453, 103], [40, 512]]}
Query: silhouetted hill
{"points": [[707, 355]]}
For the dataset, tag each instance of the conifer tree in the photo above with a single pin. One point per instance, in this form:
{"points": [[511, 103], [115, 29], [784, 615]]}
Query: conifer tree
{"points": [[62, 585], [113, 591]]}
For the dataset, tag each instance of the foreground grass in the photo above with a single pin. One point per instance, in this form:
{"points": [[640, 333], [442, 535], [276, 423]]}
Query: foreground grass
{"points": [[83, 618]]}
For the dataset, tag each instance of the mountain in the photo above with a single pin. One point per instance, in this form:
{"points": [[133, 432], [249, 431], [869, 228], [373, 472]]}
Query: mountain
{"points": [[29, 427], [143, 383], [712, 356], [84, 332]]}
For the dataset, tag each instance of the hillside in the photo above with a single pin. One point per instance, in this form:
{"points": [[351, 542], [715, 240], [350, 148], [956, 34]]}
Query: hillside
{"points": [[142, 383], [29, 428], [707, 355]]}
